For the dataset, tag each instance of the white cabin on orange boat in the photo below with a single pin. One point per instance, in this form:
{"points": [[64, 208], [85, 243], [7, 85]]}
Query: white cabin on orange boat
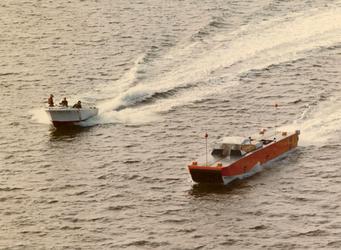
{"points": [[234, 146]]}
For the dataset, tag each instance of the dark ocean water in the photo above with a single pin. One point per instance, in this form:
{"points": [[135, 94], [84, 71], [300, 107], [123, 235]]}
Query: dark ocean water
{"points": [[162, 74]]}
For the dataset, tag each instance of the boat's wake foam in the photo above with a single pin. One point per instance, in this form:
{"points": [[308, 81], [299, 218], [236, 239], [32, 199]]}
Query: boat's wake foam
{"points": [[320, 125], [195, 70], [40, 116]]}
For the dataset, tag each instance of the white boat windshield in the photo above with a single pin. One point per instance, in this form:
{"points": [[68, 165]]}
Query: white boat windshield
{"points": [[234, 146]]}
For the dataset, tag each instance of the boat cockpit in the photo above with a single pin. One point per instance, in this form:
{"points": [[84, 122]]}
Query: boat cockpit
{"points": [[235, 147]]}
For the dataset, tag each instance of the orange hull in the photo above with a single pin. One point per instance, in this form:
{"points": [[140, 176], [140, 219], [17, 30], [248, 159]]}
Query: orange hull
{"points": [[245, 165]]}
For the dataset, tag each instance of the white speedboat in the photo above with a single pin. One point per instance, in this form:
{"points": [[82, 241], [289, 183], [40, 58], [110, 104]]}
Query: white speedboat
{"points": [[68, 116]]}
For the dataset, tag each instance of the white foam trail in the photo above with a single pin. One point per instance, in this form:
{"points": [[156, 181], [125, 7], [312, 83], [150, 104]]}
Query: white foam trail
{"points": [[126, 81], [320, 125], [40, 116], [252, 47], [128, 116]]}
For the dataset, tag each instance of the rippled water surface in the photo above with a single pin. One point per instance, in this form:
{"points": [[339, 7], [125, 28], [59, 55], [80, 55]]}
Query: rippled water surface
{"points": [[162, 74]]}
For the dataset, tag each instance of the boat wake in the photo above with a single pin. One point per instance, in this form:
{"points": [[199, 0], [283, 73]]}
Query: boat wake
{"points": [[320, 125], [196, 70], [40, 116]]}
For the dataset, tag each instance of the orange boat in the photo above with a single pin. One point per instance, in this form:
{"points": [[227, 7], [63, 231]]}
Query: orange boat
{"points": [[238, 157]]}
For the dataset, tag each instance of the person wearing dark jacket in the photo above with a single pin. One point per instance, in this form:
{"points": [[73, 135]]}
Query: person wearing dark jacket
{"points": [[78, 105], [50, 101], [64, 102]]}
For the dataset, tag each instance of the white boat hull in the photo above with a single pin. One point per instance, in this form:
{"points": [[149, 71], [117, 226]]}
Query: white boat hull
{"points": [[65, 116]]}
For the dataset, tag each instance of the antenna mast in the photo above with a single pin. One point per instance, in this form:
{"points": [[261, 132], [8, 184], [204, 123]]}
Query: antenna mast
{"points": [[276, 106], [206, 136]]}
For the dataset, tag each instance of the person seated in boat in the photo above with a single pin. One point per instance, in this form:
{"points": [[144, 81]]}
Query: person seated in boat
{"points": [[64, 102], [50, 101], [77, 105]]}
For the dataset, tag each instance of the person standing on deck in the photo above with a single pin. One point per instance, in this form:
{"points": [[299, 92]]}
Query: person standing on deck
{"points": [[50, 101]]}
